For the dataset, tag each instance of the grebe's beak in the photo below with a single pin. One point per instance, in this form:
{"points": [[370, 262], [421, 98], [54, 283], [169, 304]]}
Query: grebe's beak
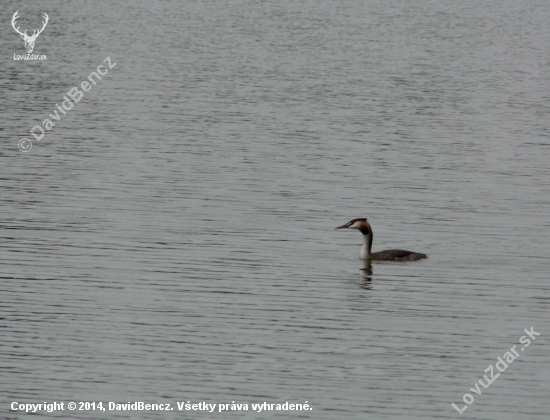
{"points": [[343, 226]]}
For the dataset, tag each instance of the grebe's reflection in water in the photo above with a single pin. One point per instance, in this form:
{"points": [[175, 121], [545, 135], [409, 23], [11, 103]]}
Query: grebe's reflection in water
{"points": [[366, 282]]}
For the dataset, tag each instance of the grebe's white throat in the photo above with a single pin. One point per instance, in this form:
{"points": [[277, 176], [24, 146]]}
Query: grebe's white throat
{"points": [[365, 249]]}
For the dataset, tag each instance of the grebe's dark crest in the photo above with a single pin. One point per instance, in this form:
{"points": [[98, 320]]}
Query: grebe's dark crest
{"points": [[389, 255]]}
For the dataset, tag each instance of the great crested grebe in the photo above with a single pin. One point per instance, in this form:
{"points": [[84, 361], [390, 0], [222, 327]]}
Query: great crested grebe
{"points": [[388, 255]]}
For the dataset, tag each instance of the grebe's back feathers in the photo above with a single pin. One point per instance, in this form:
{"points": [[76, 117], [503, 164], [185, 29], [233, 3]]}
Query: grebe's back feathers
{"points": [[397, 255]]}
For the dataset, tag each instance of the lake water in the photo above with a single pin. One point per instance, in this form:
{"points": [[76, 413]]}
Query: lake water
{"points": [[172, 237]]}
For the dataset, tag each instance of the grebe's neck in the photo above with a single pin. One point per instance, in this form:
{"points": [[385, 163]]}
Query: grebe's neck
{"points": [[367, 246]]}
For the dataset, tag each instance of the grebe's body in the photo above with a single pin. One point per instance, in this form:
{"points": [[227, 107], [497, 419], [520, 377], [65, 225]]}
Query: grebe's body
{"points": [[389, 255]]}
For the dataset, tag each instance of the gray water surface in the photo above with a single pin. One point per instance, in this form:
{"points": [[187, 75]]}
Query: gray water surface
{"points": [[171, 238]]}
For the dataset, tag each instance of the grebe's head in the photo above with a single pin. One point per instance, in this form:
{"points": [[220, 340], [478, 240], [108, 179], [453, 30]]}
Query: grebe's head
{"points": [[359, 224]]}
